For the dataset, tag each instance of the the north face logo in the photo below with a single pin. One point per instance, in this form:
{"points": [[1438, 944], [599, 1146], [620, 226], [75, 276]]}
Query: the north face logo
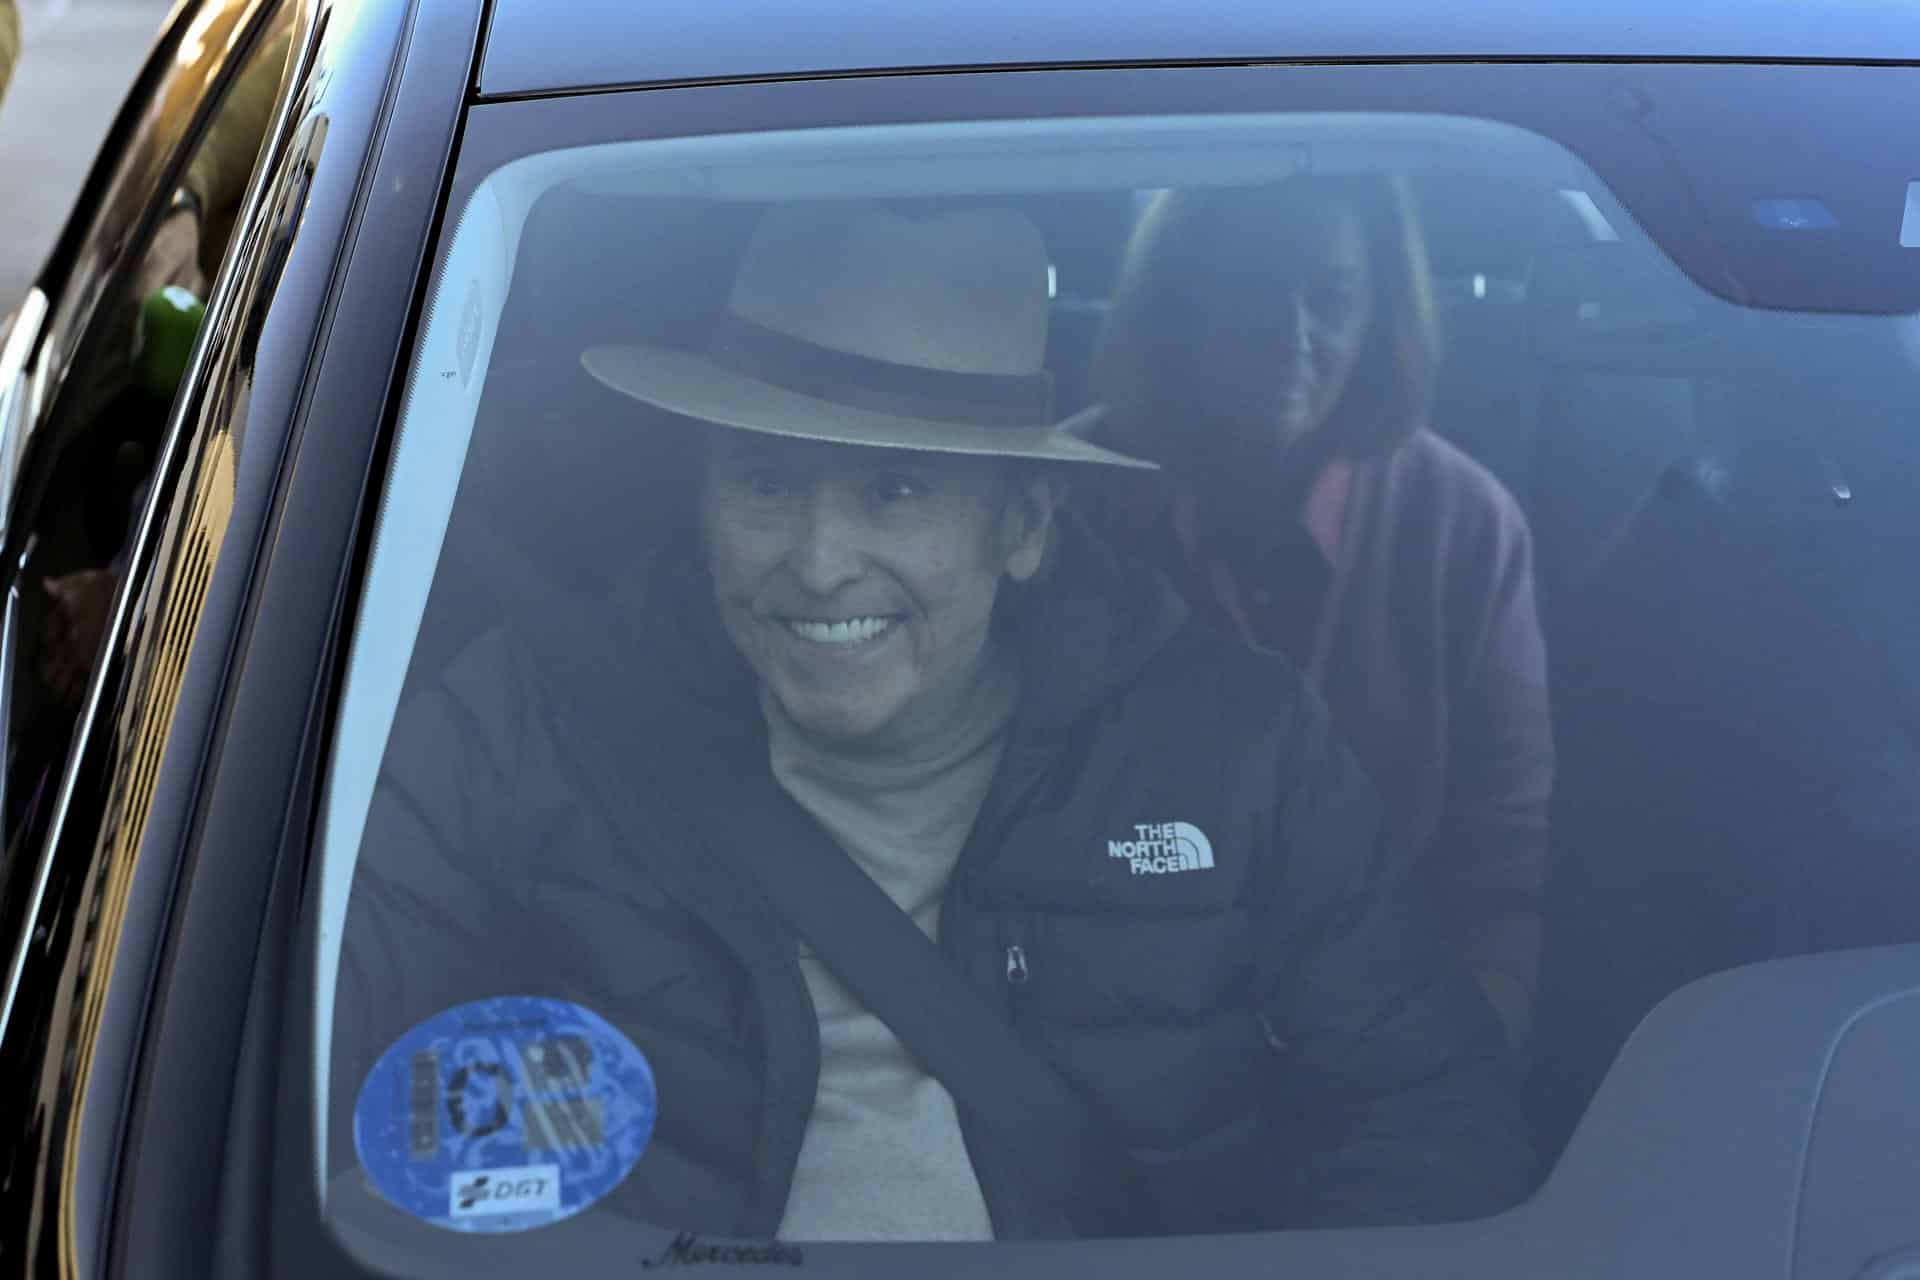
{"points": [[1160, 848]]}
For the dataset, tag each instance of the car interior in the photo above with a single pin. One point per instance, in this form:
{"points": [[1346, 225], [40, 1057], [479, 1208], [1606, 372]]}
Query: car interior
{"points": [[1733, 713]]}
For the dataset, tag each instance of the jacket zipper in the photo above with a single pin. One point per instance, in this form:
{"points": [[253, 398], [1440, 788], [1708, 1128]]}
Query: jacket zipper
{"points": [[1020, 768], [1017, 965]]}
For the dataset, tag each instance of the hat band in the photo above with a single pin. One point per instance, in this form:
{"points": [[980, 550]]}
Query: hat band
{"points": [[909, 391]]}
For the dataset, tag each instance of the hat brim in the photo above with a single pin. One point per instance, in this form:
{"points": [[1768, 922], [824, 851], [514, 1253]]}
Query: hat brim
{"points": [[686, 384]]}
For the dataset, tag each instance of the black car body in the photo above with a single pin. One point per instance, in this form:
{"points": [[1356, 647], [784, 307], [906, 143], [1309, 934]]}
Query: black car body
{"points": [[149, 899]]}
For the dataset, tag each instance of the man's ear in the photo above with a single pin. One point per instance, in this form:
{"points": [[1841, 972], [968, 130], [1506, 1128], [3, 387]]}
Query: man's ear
{"points": [[1026, 524]]}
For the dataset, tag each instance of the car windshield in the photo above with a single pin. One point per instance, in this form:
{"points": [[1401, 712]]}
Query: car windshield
{"points": [[1113, 669]]}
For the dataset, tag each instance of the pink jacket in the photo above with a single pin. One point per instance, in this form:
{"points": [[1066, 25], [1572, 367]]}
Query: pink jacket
{"points": [[1425, 643]]}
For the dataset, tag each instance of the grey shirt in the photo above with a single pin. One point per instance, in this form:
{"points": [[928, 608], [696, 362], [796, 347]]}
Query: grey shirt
{"points": [[883, 1157]]}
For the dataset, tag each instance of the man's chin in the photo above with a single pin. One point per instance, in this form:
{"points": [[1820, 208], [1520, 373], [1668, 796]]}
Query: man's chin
{"points": [[833, 719]]}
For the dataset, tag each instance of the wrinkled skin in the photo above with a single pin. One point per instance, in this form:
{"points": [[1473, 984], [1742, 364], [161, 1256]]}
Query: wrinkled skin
{"points": [[858, 583]]}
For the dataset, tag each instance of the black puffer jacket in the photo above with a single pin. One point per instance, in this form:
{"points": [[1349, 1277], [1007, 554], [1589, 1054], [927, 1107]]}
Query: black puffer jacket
{"points": [[1278, 1039]]}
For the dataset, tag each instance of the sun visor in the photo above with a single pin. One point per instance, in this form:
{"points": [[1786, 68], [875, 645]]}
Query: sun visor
{"points": [[1610, 306]]}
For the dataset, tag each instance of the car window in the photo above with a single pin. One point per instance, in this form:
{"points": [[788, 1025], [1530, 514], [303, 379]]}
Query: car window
{"points": [[105, 425], [1101, 675]]}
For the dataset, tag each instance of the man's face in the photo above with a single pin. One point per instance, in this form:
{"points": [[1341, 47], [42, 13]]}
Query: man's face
{"points": [[855, 580]]}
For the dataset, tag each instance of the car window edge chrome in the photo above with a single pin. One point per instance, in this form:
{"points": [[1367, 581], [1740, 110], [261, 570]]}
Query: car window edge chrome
{"points": [[17, 401]]}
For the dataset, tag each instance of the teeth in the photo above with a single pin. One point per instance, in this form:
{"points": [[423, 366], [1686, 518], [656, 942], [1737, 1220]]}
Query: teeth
{"points": [[847, 631]]}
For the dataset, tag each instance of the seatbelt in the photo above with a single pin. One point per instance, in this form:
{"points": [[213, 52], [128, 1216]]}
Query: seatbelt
{"points": [[1062, 1150], [1060, 1147]]}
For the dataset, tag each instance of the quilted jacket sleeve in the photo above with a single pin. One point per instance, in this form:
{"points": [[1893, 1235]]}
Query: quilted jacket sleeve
{"points": [[430, 923], [1403, 1098]]}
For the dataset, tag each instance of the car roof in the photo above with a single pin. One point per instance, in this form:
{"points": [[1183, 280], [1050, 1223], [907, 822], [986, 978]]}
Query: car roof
{"points": [[631, 42]]}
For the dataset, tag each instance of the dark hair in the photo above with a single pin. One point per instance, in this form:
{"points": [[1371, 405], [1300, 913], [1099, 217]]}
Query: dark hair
{"points": [[1146, 367]]}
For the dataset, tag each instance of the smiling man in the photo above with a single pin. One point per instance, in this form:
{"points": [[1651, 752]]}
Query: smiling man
{"points": [[884, 641], [859, 583]]}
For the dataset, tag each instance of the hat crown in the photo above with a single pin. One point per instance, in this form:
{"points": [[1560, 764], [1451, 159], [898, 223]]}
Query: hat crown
{"points": [[852, 323], [957, 292]]}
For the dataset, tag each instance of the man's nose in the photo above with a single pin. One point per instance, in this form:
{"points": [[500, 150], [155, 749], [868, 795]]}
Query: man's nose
{"points": [[830, 551]]}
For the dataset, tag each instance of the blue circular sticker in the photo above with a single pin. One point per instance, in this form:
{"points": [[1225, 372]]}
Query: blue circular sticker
{"points": [[504, 1114]]}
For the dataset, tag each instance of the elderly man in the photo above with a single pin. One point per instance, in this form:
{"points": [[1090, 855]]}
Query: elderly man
{"points": [[884, 644]]}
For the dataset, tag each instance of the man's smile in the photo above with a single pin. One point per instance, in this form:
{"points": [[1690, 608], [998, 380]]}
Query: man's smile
{"points": [[842, 632]]}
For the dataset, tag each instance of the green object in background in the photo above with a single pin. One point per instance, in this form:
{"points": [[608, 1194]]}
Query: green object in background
{"points": [[169, 319]]}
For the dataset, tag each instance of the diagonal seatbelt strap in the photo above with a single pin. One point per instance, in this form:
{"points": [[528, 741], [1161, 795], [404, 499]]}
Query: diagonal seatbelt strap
{"points": [[1059, 1148]]}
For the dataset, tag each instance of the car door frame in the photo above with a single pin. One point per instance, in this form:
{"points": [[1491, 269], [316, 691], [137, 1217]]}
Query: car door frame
{"points": [[195, 59], [65, 902], [150, 964], [199, 47], [92, 253]]}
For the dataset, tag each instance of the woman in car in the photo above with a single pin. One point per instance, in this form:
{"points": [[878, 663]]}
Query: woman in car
{"points": [[1276, 349], [882, 642]]}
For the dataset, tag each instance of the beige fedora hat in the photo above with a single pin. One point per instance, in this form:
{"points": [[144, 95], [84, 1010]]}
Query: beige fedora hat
{"points": [[849, 323]]}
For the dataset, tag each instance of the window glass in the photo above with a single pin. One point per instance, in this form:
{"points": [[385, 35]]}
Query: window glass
{"points": [[1111, 675], [105, 428]]}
